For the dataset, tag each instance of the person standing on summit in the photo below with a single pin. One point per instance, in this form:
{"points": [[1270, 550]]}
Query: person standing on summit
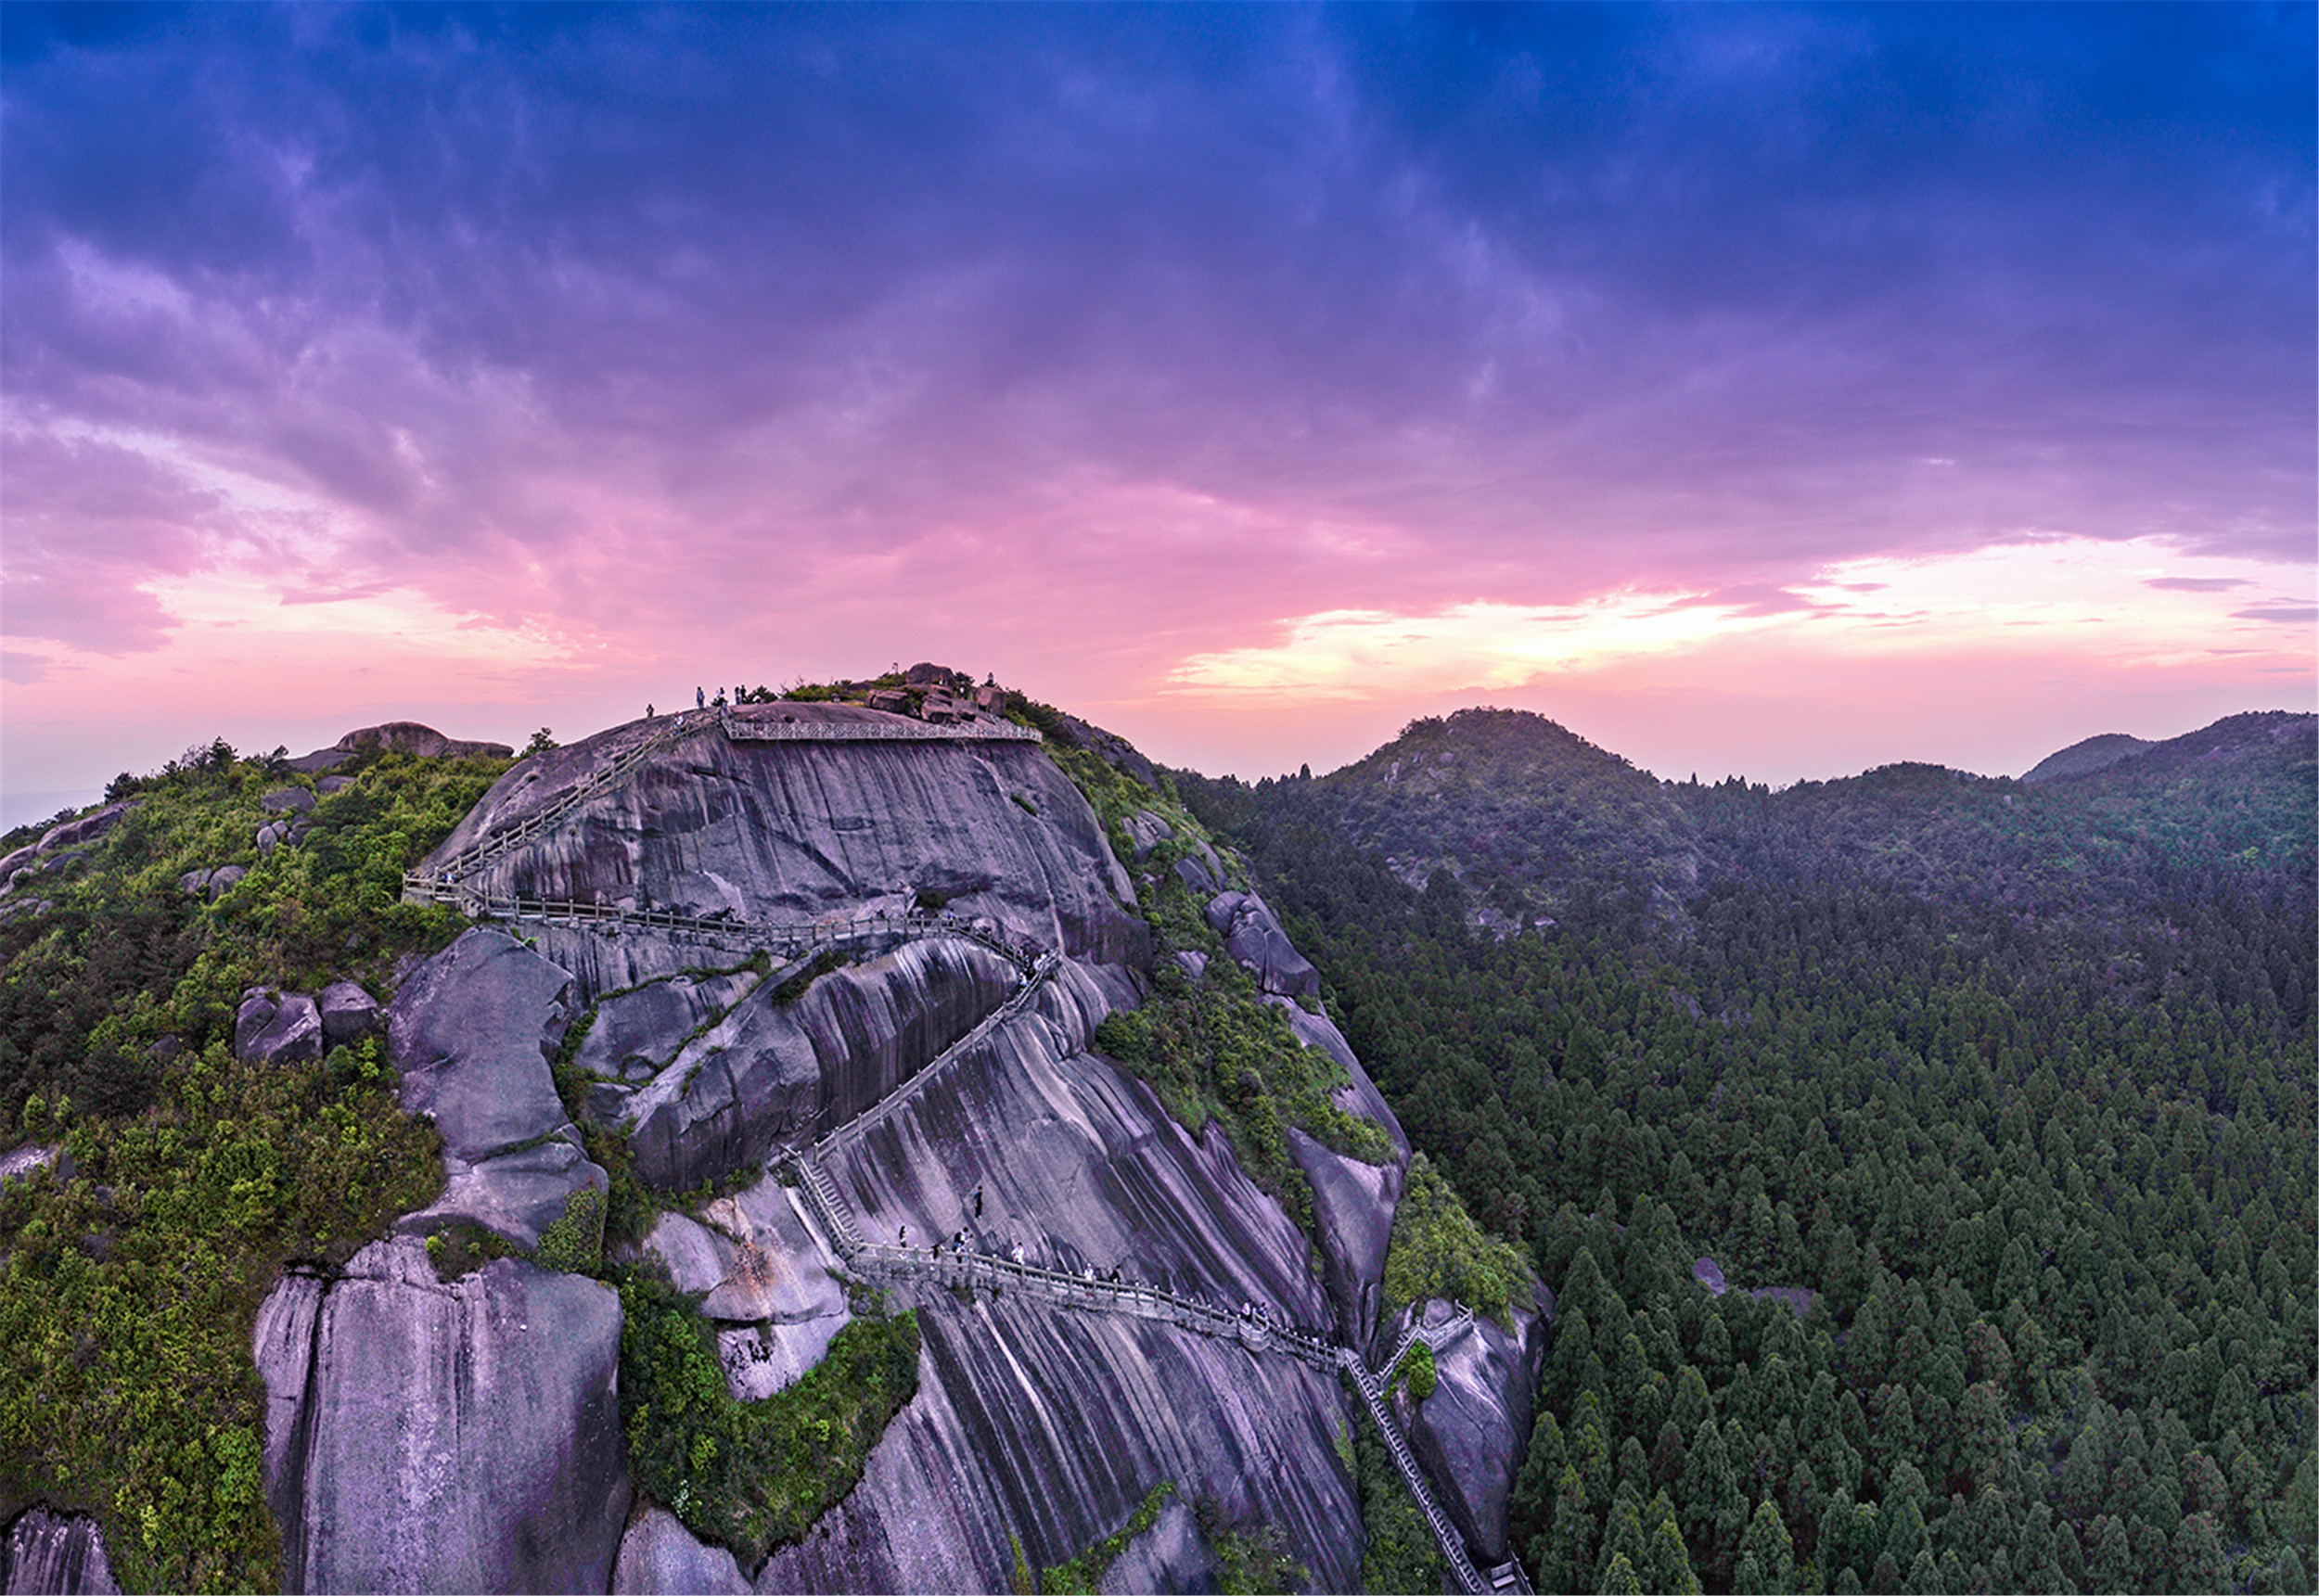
{"points": [[701, 698]]}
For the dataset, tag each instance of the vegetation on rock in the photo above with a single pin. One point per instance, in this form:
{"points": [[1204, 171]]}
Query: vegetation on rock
{"points": [[752, 1475], [1438, 1251], [1081, 1574], [130, 1288]]}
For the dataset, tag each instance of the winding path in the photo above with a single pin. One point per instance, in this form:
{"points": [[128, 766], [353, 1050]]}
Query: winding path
{"points": [[453, 883]]}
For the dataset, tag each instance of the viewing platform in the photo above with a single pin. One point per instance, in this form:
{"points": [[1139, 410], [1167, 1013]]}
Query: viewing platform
{"points": [[762, 729]]}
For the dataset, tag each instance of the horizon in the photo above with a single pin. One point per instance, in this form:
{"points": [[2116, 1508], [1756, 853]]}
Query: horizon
{"points": [[1754, 390]]}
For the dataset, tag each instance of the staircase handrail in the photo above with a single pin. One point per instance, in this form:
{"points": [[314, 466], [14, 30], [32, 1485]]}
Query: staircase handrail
{"points": [[849, 731]]}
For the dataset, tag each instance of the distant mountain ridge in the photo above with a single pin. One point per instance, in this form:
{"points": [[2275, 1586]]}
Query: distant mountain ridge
{"points": [[2080, 758], [1532, 819], [1523, 811]]}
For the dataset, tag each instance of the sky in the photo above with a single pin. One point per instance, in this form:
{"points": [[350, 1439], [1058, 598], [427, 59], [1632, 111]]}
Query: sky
{"points": [[1764, 389]]}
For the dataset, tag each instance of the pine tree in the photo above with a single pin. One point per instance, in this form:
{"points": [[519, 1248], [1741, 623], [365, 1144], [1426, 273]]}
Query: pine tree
{"points": [[1618, 1578], [1766, 1545], [1529, 1506], [1715, 1512], [1569, 1560]]}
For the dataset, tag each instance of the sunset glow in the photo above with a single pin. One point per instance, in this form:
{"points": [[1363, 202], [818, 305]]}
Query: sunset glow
{"points": [[1785, 389]]}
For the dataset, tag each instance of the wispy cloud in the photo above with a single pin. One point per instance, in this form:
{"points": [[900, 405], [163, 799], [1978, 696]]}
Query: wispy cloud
{"points": [[1093, 342]]}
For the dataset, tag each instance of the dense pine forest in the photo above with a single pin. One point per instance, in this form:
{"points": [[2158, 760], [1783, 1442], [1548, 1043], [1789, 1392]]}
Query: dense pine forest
{"points": [[2006, 1192]]}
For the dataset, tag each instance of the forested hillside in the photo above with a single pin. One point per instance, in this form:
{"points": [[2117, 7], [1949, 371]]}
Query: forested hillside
{"points": [[2034, 1188]]}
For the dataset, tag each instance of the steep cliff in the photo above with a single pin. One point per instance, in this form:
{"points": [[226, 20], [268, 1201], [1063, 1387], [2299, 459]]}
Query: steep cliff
{"points": [[887, 955]]}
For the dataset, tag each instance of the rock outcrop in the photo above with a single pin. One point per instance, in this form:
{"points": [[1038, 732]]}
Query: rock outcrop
{"points": [[401, 738], [1170, 1555], [791, 830], [782, 1069], [27, 863], [424, 1436], [55, 1554], [1036, 1427], [274, 1027], [657, 1553], [1469, 1434], [472, 1032], [1254, 938]]}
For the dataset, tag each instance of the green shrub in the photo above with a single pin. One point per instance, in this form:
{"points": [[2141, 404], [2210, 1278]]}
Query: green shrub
{"points": [[1437, 1250], [574, 1243], [1418, 1371], [1250, 1561], [752, 1475], [1217, 1051], [1086, 1572]]}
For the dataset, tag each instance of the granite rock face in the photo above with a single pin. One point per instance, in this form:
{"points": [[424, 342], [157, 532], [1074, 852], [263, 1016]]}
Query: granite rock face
{"points": [[790, 831], [1469, 1434], [775, 1070], [55, 1554], [634, 1035], [423, 1437], [1170, 1555], [1254, 938], [658, 1554], [472, 1032], [1352, 1208]]}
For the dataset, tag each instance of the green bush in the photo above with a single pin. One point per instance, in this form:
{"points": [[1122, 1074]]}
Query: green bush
{"points": [[1437, 1250], [1216, 1051], [1417, 1369], [574, 1243], [1086, 1572], [752, 1475]]}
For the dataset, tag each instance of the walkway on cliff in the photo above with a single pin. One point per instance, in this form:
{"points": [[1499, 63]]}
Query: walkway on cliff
{"points": [[956, 1266], [666, 733], [453, 882]]}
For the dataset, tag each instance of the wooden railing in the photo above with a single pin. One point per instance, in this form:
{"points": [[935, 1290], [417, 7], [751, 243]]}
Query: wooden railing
{"points": [[673, 728], [848, 730], [1257, 1331]]}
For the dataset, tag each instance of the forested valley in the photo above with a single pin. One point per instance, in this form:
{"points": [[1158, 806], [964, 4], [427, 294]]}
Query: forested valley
{"points": [[2006, 1197]]}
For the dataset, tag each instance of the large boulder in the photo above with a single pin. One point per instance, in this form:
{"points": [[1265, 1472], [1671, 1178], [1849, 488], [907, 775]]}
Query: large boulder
{"points": [[349, 1014], [401, 738], [1352, 1212], [658, 1554], [518, 1194], [55, 1554], [1146, 831], [424, 1436], [472, 1031], [1469, 1434], [1254, 938], [273, 1027], [288, 800]]}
